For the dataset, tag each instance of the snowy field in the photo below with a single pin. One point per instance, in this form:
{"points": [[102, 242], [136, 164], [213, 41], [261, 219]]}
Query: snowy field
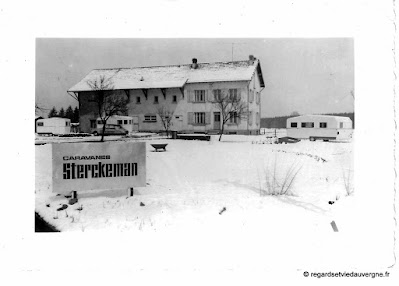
{"points": [[216, 189]]}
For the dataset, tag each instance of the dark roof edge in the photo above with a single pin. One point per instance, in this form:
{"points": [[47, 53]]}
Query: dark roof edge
{"points": [[259, 70]]}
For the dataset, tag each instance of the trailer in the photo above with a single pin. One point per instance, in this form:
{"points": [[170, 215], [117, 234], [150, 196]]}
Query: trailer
{"points": [[319, 127], [126, 122], [53, 126]]}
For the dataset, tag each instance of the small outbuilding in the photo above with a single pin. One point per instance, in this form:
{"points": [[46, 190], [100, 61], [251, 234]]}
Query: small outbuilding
{"points": [[53, 126], [323, 127]]}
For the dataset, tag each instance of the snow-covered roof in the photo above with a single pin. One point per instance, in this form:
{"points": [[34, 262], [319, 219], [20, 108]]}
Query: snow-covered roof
{"points": [[174, 76], [320, 116], [54, 119]]}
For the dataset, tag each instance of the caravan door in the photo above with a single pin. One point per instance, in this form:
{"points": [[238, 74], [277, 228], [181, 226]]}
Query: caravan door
{"points": [[135, 123]]}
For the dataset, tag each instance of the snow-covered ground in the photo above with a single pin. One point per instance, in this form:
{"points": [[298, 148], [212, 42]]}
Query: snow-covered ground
{"points": [[216, 189]]}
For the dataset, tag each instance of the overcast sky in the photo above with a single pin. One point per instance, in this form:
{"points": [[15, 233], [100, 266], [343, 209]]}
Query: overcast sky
{"points": [[303, 75]]}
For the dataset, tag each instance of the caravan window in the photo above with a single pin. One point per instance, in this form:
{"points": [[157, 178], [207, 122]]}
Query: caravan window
{"points": [[341, 125], [119, 121], [124, 121], [294, 124], [307, 124], [40, 124], [323, 124]]}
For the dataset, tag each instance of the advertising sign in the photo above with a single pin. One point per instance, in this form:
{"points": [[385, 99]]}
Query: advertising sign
{"points": [[98, 166]]}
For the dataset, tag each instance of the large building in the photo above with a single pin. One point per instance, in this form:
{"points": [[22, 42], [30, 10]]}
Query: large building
{"points": [[188, 91]]}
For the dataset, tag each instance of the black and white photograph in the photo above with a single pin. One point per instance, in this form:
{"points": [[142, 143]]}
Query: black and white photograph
{"points": [[240, 123], [269, 151]]}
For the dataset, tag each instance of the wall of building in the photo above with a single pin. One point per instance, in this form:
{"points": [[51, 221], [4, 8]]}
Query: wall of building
{"points": [[183, 108]]}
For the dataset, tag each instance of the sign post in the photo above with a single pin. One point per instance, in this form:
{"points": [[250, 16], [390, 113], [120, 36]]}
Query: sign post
{"points": [[98, 166]]}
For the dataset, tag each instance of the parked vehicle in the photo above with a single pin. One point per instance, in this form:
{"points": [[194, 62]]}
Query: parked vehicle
{"points": [[53, 126], [111, 129], [322, 127], [125, 122]]}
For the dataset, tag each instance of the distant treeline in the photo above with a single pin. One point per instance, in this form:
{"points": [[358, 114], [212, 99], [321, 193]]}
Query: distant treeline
{"points": [[281, 121], [72, 114]]}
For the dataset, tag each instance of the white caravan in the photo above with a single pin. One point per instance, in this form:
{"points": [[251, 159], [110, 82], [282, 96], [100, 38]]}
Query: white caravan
{"points": [[53, 126], [323, 127], [126, 122]]}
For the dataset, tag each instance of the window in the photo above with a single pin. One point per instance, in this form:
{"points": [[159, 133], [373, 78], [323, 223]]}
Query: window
{"points": [[93, 123], [323, 124], [174, 98], [40, 124], [199, 117], [199, 96], [233, 117], [233, 94], [138, 99], [341, 125], [150, 118], [307, 124], [156, 99], [119, 121], [66, 123], [217, 94], [130, 122], [294, 124], [124, 121]]}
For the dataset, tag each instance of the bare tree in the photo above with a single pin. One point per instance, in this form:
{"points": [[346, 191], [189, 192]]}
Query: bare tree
{"points": [[40, 109], [231, 108], [166, 116], [108, 102]]}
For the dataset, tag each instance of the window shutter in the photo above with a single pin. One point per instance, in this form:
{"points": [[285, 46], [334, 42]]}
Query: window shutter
{"points": [[207, 118], [187, 94], [190, 117], [192, 96], [250, 118], [251, 96], [211, 95], [239, 93]]}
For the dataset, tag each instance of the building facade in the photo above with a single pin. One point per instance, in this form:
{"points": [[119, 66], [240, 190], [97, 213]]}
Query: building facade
{"points": [[187, 92]]}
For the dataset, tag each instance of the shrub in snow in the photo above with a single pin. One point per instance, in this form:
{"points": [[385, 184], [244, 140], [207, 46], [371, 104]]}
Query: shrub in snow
{"points": [[279, 182], [347, 179]]}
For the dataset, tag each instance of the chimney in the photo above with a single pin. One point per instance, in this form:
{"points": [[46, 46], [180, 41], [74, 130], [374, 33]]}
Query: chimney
{"points": [[194, 65]]}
